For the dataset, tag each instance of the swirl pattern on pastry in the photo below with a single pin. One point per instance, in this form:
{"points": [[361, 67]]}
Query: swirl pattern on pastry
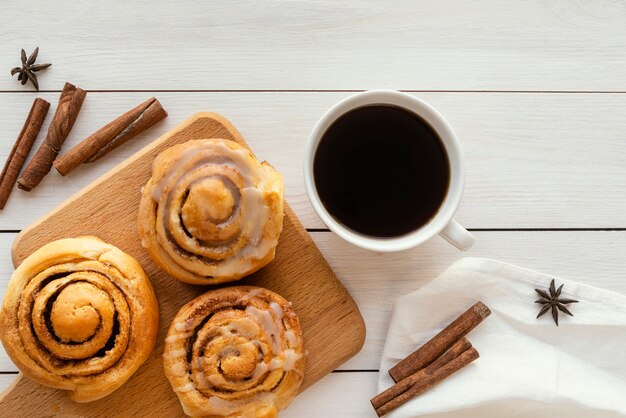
{"points": [[79, 314], [211, 213], [235, 352]]}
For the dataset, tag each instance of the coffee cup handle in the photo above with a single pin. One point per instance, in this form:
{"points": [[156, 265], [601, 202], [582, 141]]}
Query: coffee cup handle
{"points": [[458, 236]]}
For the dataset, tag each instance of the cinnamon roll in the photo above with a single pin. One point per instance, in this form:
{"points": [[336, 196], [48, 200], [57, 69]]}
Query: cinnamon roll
{"points": [[235, 352], [80, 315], [211, 213]]}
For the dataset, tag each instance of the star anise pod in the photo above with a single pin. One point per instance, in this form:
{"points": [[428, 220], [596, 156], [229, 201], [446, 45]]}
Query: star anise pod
{"points": [[553, 301], [29, 68]]}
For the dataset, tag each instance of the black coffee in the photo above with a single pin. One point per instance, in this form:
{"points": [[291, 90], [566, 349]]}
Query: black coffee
{"points": [[381, 171]]}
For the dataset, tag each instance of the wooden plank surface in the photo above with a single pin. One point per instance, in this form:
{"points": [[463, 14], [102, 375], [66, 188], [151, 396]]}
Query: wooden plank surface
{"points": [[349, 394], [513, 45], [331, 389], [380, 279], [539, 160], [376, 280], [332, 327], [533, 160]]}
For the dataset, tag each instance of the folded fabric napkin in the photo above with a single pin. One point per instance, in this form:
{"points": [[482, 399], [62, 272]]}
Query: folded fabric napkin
{"points": [[528, 367]]}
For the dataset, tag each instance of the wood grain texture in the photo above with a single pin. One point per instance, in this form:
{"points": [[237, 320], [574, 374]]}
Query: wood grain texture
{"points": [[407, 44], [376, 280], [532, 160], [332, 326], [338, 395], [344, 403]]}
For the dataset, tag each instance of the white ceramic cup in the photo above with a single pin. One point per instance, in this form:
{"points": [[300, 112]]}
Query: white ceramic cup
{"points": [[442, 223]]}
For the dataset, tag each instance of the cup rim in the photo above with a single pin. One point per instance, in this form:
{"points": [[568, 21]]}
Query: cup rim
{"points": [[449, 140]]}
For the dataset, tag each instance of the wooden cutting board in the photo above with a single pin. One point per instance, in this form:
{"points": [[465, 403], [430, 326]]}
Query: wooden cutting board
{"points": [[332, 324]]}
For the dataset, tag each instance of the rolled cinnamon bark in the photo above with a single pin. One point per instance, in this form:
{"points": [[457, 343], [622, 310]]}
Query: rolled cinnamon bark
{"points": [[112, 135], [441, 342], [435, 376], [21, 148], [67, 111], [405, 384]]}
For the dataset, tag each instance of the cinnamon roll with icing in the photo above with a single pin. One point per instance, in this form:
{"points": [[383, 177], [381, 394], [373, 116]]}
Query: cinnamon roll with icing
{"points": [[80, 315], [211, 213], [235, 352]]}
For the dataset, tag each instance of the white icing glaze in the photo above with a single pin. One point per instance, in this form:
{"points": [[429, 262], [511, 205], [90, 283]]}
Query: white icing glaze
{"points": [[251, 294], [223, 407], [216, 379], [276, 363], [261, 346], [180, 326], [253, 225], [269, 324], [204, 362], [179, 369], [237, 159], [228, 350], [226, 407], [259, 370], [202, 382], [175, 353], [207, 204], [278, 311], [245, 327], [286, 362], [292, 339], [250, 201], [290, 359], [177, 337], [186, 388], [228, 314], [255, 211], [225, 331]]}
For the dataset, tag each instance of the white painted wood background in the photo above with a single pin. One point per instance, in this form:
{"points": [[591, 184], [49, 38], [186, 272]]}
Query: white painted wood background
{"points": [[536, 91]]}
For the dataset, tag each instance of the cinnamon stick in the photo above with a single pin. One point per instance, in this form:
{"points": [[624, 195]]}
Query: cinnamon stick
{"points": [[67, 111], [405, 384], [441, 342], [21, 148], [112, 135], [432, 378]]}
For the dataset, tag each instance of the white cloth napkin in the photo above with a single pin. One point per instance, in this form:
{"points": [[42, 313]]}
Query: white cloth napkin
{"points": [[527, 367]]}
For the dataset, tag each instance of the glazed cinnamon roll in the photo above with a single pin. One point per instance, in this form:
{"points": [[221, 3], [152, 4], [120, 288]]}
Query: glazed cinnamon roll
{"points": [[79, 314], [235, 352], [211, 213]]}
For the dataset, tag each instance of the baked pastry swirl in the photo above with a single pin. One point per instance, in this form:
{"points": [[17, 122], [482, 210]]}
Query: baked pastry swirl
{"points": [[235, 352], [211, 213], [79, 314]]}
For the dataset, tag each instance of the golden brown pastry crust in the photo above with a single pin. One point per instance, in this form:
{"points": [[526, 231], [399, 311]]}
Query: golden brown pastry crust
{"points": [[211, 213], [80, 315], [235, 352]]}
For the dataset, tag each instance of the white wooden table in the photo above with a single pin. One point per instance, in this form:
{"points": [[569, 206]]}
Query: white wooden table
{"points": [[536, 91]]}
